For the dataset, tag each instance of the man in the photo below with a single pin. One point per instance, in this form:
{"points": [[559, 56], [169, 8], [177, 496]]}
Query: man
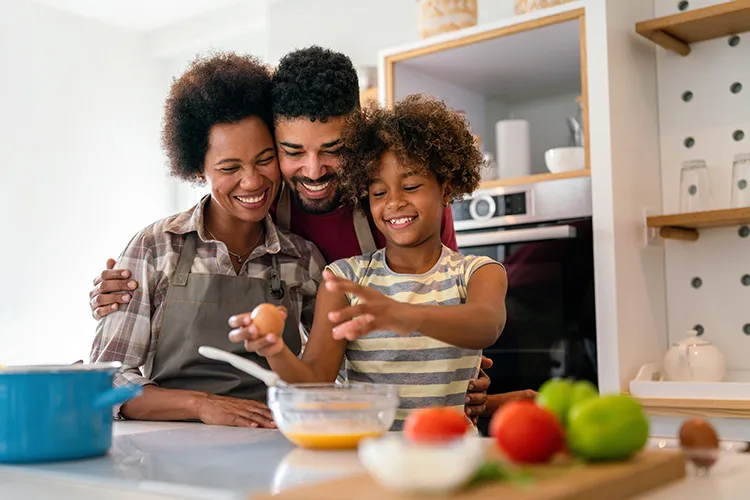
{"points": [[315, 91]]}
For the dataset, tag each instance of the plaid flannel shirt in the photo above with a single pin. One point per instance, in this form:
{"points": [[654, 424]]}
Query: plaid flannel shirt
{"points": [[128, 335]]}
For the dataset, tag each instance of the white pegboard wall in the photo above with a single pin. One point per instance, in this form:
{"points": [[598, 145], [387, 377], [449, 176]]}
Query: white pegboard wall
{"points": [[720, 258]]}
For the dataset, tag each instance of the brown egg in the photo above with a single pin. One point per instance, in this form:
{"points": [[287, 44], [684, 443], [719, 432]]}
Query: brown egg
{"points": [[268, 319], [699, 440]]}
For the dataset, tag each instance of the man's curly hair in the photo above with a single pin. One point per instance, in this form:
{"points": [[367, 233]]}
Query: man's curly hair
{"points": [[315, 83], [219, 88], [423, 133]]}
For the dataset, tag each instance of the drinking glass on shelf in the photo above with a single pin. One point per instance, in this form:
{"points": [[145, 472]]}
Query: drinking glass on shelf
{"points": [[741, 181], [695, 192]]}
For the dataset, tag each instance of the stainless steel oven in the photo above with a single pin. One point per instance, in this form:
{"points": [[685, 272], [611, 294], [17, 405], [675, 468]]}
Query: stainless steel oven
{"points": [[543, 236]]}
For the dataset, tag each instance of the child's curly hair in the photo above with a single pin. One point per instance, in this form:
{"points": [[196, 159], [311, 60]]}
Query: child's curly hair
{"points": [[423, 133]]}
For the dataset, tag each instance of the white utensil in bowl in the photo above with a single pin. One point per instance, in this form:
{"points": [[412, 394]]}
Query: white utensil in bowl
{"points": [[268, 377]]}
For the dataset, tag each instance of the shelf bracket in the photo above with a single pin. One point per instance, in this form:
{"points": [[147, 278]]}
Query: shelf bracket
{"points": [[678, 233], [669, 42], [650, 234]]}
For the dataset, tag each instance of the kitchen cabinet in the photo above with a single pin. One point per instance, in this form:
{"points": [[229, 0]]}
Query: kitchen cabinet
{"points": [[532, 67]]}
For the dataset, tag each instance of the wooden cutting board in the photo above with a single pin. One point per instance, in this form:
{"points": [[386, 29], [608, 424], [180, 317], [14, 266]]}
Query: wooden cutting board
{"points": [[561, 481]]}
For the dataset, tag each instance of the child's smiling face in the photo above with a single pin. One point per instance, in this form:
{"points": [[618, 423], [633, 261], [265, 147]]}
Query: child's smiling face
{"points": [[406, 204]]}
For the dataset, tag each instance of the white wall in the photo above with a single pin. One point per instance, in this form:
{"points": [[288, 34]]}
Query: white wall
{"points": [[547, 116], [472, 104], [548, 127], [242, 28], [82, 171], [358, 28]]}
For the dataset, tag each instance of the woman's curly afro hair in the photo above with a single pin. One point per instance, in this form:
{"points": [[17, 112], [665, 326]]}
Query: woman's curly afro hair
{"points": [[219, 88], [316, 83], [423, 133]]}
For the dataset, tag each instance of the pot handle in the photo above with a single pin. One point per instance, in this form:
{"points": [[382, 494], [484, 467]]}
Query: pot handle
{"points": [[117, 395]]}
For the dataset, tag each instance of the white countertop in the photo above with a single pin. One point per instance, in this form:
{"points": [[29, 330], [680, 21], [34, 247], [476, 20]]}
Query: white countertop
{"points": [[180, 461]]}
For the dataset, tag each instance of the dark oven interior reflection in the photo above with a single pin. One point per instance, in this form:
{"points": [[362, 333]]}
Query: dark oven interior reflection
{"points": [[545, 241], [550, 329]]}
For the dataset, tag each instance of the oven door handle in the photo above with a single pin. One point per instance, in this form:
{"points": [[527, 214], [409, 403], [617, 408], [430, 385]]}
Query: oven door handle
{"points": [[515, 236]]}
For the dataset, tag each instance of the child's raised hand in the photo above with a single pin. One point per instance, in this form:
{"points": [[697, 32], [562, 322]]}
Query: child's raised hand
{"points": [[375, 311], [245, 331]]}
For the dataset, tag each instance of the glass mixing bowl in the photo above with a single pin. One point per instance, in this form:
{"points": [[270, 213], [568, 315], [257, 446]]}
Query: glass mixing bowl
{"points": [[333, 416]]}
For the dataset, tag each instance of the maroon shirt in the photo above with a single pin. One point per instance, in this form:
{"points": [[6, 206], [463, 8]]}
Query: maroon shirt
{"points": [[334, 233]]}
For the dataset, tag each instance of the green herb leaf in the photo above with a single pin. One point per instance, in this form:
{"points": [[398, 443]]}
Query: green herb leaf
{"points": [[495, 471]]}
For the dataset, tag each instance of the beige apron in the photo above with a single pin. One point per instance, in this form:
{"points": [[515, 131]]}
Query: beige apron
{"points": [[197, 308], [361, 225]]}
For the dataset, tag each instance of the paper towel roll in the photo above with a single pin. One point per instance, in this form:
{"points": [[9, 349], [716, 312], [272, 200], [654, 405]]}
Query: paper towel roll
{"points": [[513, 148]]}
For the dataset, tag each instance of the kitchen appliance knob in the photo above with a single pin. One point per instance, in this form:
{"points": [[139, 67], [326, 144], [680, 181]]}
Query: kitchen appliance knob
{"points": [[482, 208]]}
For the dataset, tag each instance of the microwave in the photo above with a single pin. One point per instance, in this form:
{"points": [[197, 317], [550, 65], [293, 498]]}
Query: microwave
{"points": [[542, 234]]}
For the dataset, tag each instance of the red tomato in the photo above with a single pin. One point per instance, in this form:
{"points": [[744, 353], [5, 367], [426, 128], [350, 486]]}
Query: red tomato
{"points": [[435, 425], [527, 433]]}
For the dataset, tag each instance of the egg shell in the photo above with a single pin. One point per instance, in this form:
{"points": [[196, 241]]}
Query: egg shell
{"points": [[698, 438], [268, 319]]}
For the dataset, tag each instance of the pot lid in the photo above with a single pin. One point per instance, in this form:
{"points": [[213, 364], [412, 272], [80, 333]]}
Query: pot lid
{"points": [[78, 367], [692, 340]]}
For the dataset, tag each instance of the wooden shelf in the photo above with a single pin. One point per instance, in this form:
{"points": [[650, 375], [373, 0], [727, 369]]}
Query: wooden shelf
{"points": [[678, 31], [685, 226], [706, 408], [530, 179]]}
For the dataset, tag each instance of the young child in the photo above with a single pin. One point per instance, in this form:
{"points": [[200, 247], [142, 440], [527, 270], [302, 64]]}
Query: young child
{"points": [[415, 313]]}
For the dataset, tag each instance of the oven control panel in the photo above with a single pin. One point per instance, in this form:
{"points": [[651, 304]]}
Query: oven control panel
{"points": [[540, 202], [487, 206]]}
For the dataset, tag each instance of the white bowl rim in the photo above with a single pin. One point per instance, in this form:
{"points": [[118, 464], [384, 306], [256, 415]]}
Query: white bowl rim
{"points": [[375, 389], [565, 148]]}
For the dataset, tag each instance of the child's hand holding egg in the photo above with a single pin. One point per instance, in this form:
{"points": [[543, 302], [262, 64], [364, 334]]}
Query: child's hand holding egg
{"points": [[260, 330]]}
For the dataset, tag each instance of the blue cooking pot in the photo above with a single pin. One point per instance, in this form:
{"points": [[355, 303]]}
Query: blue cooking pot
{"points": [[58, 412]]}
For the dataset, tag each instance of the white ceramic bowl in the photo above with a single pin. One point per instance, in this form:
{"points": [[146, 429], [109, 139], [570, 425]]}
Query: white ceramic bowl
{"points": [[565, 159], [400, 465]]}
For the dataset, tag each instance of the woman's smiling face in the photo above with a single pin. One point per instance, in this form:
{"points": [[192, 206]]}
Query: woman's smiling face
{"points": [[242, 168]]}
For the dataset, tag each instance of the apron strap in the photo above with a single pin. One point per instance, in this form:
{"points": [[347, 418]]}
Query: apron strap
{"points": [[274, 276], [364, 233], [185, 262], [284, 209]]}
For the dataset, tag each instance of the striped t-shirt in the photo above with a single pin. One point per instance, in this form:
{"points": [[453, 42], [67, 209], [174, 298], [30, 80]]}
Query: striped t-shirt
{"points": [[428, 372]]}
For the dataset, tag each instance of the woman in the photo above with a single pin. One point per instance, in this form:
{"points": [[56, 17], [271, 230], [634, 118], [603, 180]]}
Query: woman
{"points": [[223, 256]]}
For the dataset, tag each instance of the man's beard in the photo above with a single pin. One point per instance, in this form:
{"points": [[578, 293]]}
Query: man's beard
{"points": [[321, 206]]}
